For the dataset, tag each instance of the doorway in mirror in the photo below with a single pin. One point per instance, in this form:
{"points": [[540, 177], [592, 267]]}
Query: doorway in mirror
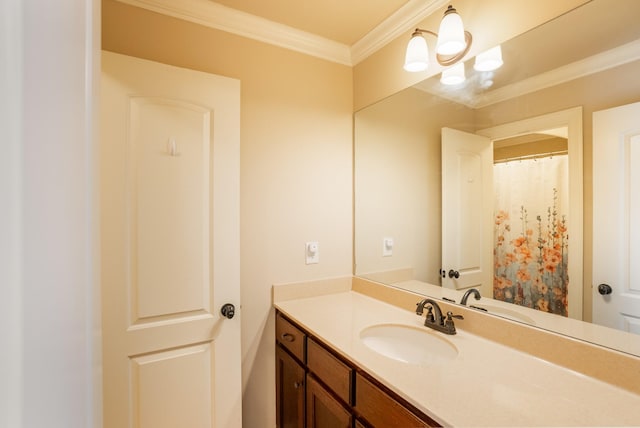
{"points": [[531, 243]]}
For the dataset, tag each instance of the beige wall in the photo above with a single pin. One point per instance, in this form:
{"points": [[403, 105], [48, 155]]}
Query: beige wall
{"points": [[296, 166], [548, 145]]}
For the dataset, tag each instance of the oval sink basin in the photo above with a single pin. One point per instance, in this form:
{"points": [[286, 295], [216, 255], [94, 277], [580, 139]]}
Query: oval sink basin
{"points": [[507, 313], [408, 344]]}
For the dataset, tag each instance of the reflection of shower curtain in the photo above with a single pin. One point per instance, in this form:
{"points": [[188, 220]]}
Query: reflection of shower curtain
{"points": [[531, 241]]}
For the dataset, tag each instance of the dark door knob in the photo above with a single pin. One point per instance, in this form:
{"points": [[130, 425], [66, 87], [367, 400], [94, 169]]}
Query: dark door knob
{"points": [[454, 274], [604, 289], [228, 310]]}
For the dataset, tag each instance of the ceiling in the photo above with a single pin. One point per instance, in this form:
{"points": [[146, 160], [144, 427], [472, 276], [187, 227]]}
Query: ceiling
{"points": [[348, 31], [342, 31]]}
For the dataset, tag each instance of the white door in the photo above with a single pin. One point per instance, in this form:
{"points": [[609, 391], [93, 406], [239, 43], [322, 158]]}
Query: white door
{"points": [[170, 245], [616, 217], [467, 211]]}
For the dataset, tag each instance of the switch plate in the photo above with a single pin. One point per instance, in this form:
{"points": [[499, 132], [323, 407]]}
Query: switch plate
{"points": [[312, 252], [387, 247]]}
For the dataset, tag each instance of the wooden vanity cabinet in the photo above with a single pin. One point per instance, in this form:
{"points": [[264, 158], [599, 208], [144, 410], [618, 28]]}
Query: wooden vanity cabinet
{"points": [[316, 388]]}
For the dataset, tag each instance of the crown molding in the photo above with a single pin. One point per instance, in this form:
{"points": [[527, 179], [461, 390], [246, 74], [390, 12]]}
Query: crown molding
{"points": [[594, 64], [214, 15], [400, 22]]}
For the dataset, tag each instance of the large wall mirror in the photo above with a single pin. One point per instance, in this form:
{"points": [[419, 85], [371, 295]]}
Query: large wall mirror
{"points": [[438, 225]]}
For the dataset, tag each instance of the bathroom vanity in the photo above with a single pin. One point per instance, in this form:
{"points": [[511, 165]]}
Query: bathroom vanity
{"points": [[318, 387], [348, 359]]}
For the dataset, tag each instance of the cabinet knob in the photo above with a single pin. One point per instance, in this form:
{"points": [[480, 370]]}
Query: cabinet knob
{"points": [[297, 385], [288, 337], [454, 274]]}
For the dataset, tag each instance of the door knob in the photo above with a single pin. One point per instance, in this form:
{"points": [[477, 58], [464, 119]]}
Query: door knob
{"points": [[604, 289], [454, 274], [228, 310]]}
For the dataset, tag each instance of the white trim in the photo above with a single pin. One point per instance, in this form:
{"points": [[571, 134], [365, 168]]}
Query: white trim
{"points": [[600, 62], [572, 119], [215, 15], [401, 22], [11, 331], [93, 53], [594, 64]]}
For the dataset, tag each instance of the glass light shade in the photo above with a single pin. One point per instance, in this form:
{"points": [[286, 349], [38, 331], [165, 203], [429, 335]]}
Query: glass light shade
{"points": [[489, 60], [453, 75], [417, 57], [451, 34]]}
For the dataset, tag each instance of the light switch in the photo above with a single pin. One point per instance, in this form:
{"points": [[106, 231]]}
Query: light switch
{"points": [[387, 247], [312, 252]]}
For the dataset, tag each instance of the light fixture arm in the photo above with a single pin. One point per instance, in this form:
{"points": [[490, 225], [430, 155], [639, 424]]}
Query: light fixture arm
{"points": [[419, 31], [447, 60]]}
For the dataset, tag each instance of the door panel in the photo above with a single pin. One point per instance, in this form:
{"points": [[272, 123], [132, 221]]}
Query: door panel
{"points": [[169, 203], [170, 246], [616, 209], [467, 207], [173, 388]]}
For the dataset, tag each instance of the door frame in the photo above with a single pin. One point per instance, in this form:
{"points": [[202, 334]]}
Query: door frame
{"points": [[37, 363], [572, 120]]}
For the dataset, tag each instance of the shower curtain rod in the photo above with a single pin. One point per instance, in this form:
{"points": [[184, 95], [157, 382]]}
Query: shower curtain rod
{"points": [[534, 156]]}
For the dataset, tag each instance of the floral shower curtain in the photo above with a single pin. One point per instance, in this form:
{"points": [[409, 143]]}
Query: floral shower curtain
{"points": [[531, 241]]}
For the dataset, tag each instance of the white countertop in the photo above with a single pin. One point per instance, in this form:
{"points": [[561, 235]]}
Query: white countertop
{"points": [[487, 384]]}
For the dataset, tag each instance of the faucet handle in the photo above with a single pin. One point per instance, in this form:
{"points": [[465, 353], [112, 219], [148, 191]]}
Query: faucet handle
{"points": [[450, 316], [448, 323]]}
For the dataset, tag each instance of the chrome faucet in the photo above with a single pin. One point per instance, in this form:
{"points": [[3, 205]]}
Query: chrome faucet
{"points": [[466, 294], [434, 318]]}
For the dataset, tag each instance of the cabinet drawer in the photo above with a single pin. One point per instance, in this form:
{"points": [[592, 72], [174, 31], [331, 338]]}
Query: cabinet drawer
{"points": [[292, 338], [380, 410], [331, 370]]}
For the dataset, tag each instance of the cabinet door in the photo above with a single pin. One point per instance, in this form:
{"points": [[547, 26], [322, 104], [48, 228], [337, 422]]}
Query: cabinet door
{"points": [[323, 410], [289, 391], [381, 410]]}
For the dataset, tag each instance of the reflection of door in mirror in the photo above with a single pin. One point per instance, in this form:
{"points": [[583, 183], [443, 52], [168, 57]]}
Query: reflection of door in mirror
{"points": [[467, 200], [616, 209]]}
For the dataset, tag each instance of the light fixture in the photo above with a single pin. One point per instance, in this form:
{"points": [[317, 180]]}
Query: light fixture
{"points": [[452, 45], [489, 60], [453, 75]]}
